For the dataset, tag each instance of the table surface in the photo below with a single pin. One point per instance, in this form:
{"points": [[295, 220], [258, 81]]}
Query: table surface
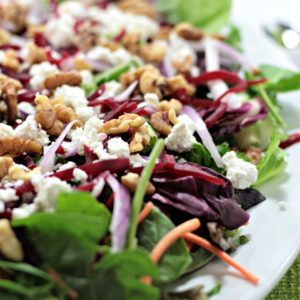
{"points": [[256, 13]]}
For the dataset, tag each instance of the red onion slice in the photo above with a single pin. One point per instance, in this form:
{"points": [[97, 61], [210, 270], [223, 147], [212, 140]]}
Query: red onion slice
{"points": [[127, 93]]}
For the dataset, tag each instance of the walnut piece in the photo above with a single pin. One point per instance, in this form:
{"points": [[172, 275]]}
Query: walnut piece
{"points": [[16, 173], [122, 124], [131, 181], [160, 123], [188, 32], [15, 13], [36, 55], [15, 146], [10, 247], [56, 80], [10, 60], [82, 64], [153, 52], [138, 7], [171, 104], [46, 116], [8, 92], [65, 113], [179, 82], [131, 42], [140, 139], [254, 154], [5, 164], [4, 36]]}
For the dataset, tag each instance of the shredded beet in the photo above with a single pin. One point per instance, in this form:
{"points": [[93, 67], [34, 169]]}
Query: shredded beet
{"points": [[29, 162], [40, 40], [98, 93], [106, 104], [10, 46], [216, 115], [118, 38], [27, 96], [201, 103], [87, 187], [125, 107], [293, 139], [90, 156]]}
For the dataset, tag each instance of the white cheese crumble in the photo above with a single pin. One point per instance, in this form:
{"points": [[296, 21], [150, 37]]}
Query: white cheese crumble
{"points": [[27, 108], [137, 160], [29, 129], [66, 166], [242, 174], [8, 195], [39, 73], [23, 211], [87, 76], [188, 121], [5, 131], [180, 139], [112, 89], [48, 189], [116, 146], [151, 99], [74, 9], [60, 31], [79, 175]]}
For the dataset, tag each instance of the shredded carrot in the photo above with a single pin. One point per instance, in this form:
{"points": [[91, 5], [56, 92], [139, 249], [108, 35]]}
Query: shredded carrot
{"points": [[166, 241], [177, 232], [145, 212], [221, 254]]}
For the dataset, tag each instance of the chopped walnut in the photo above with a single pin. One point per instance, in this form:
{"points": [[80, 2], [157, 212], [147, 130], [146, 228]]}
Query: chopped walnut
{"points": [[33, 29], [15, 146], [10, 247], [183, 65], [4, 36], [69, 78], [153, 52], [16, 173], [172, 116], [138, 7], [129, 77], [15, 13], [131, 181], [36, 55], [131, 42], [140, 139], [87, 36], [5, 164], [64, 113], [10, 60], [8, 92], [254, 154], [122, 124], [46, 116], [179, 82], [167, 105], [163, 33], [160, 122], [188, 32], [111, 45], [82, 64]]}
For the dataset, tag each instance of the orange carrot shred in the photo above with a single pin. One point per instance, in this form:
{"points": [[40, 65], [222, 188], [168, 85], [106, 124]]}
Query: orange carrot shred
{"points": [[221, 254], [145, 212]]}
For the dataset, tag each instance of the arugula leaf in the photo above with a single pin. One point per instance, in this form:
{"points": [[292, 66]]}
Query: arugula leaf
{"points": [[206, 14], [117, 276], [279, 79], [273, 162], [67, 239], [234, 38], [177, 259]]}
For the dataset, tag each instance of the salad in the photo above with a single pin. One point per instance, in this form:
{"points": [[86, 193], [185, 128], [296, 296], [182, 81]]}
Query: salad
{"points": [[133, 138]]}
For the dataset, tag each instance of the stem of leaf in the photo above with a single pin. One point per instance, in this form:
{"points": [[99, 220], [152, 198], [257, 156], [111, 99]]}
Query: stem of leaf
{"points": [[139, 194]]}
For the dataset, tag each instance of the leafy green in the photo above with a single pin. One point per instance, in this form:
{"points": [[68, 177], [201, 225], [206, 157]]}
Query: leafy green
{"points": [[273, 161], [80, 220], [177, 259], [234, 38], [117, 276], [139, 194], [111, 74], [209, 15], [214, 291], [201, 257], [198, 154], [279, 79]]}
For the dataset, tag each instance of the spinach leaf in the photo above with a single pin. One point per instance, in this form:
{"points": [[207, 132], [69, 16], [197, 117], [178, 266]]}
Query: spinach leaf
{"points": [[117, 276], [273, 162], [67, 239], [214, 291], [201, 257], [177, 259], [279, 79], [206, 14]]}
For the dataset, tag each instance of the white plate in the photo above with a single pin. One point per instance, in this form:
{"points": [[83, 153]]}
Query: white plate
{"points": [[275, 234]]}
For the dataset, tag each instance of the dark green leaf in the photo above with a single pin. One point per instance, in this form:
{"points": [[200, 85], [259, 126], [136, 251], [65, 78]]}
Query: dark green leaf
{"points": [[281, 80], [214, 291], [177, 259], [117, 276], [201, 257], [206, 14], [233, 38]]}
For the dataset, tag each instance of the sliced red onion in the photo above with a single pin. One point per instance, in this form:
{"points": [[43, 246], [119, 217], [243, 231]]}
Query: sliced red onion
{"points": [[72, 151], [48, 160], [121, 213], [204, 134], [126, 94], [99, 65], [98, 187], [167, 68]]}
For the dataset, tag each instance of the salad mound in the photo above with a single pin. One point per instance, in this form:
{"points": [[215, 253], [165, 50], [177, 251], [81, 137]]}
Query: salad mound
{"points": [[133, 138]]}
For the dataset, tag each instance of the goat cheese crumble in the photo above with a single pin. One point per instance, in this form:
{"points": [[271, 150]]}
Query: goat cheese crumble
{"points": [[39, 73], [242, 174], [118, 147]]}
